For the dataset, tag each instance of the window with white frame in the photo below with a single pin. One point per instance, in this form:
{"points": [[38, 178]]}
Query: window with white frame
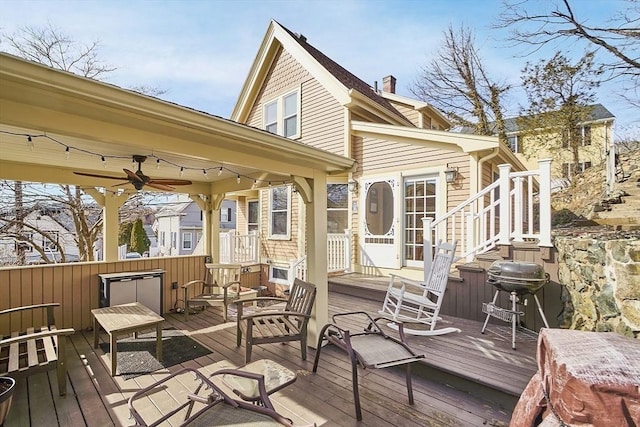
{"points": [[282, 115], [187, 240], [337, 208], [280, 213], [420, 199], [225, 215], [514, 143], [279, 274], [253, 215], [50, 241], [174, 237]]}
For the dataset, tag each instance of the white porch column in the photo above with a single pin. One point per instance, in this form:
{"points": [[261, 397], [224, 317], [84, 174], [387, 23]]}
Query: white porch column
{"points": [[505, 205], [111, 204], [213, 222], [544, 166], [316, 221]]}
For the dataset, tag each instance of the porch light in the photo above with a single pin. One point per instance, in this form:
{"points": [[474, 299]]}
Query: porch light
{"points": [[450, 174], [353, 185]]}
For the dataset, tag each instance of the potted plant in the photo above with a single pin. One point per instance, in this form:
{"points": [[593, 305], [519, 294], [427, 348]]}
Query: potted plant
{"points": [[7, 385]]}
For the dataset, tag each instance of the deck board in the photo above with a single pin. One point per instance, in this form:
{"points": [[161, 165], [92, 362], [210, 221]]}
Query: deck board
{"points": [[97, 399]]}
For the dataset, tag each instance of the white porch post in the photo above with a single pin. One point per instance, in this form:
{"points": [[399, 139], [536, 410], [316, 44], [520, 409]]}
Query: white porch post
{"points": [[427, 246], [316, 220], [111, 204], [518, 207], [214, 227], [545, 202], [505, 205]]}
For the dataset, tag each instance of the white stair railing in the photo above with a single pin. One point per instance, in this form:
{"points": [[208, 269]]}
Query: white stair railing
{"points": [[499, 214]]}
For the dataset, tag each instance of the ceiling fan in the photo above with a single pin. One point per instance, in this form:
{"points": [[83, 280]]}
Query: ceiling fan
{"points": [[139, 179]]}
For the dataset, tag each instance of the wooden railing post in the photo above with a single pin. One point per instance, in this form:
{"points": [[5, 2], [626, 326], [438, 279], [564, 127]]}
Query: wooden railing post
{"points": [[427, 246], [347, 249], [505, 205], [545, 202]]}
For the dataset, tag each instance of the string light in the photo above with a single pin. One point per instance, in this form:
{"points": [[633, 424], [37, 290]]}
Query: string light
{"points": [[103, 158]]}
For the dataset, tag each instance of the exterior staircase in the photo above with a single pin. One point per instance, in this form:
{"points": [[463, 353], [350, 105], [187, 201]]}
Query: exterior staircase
{"points": [[621, 208]]}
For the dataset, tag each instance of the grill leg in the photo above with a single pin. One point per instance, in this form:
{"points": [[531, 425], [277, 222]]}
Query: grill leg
{"points": [[486, 321], [514, 319], [544, 319]]}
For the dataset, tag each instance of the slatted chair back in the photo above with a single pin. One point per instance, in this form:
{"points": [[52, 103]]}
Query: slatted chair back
{"points": [[440, 268], [219, 275], [301, 297]]}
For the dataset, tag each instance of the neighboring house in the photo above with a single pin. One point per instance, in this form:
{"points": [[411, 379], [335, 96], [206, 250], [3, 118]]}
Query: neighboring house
{"points": [[54, 240], [400, 144], [596, 135], [178, 227]]}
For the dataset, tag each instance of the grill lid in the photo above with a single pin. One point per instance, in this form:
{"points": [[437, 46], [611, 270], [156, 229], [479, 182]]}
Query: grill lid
{"points": [[520, 277]]}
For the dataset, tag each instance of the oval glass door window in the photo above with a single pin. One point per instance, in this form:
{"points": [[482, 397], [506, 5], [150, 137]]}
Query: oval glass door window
{"points": [[379, 208]]}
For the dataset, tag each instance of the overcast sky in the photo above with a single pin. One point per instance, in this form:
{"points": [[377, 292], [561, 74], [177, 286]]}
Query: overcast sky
{"points": [[200, 51]]}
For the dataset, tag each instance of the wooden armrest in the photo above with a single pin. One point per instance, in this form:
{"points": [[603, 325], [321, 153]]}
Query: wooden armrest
{"points": [[404, 280], [226, 285], [29, 307], [193, 282], [35, 336], [277, 313]]}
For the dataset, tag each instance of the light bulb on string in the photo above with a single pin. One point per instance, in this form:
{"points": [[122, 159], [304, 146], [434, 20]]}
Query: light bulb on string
{"points": [[67, 153], [30, 142], [181, 170], [220, 171], [104, 162], [204, 172], [238, 179], [158, 164]]}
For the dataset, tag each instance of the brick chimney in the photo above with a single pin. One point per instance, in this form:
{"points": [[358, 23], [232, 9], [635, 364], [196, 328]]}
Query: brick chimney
{"points": [[389, 84]]}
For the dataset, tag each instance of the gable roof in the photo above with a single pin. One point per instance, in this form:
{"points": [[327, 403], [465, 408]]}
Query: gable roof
{"points": [[342, 84]]}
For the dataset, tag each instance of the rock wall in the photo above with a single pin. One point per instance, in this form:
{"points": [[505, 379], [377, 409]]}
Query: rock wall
{"points": [[601, 276]]}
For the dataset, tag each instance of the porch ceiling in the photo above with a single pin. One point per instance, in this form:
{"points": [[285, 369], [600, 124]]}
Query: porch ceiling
{"points": [[96, 120]]}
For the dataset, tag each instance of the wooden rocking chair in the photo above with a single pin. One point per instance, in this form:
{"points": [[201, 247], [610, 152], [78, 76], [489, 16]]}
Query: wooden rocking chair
{"points": [[412, 301]]}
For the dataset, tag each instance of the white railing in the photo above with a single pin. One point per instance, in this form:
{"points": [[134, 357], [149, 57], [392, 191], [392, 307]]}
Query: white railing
{"points": [[298, 269], [339, 252], [238, 248], [499, 214]]}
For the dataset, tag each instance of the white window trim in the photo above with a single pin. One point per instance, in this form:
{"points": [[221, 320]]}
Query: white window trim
{"points": [[184, 240], [279, 281], [280, 112], [257, 223], [286, 236]]}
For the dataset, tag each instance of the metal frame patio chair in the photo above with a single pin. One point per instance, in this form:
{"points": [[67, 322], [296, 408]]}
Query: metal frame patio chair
{"points": [[370, 347], [412, 301], [208, 405]]}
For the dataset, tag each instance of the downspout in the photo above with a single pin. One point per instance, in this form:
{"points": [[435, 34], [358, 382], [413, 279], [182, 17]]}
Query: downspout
{"points": [[494, 153]]}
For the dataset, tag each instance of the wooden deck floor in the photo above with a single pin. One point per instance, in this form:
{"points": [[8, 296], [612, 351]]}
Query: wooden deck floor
{"points": [[97, 399]]}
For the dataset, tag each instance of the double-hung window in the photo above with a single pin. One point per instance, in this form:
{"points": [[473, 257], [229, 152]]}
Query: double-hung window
{"points": [[253, 215], [280, 213], [282, 115], [187, 240]]}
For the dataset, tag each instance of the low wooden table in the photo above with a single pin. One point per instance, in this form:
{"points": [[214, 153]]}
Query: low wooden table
{"points": [[125, 319]]}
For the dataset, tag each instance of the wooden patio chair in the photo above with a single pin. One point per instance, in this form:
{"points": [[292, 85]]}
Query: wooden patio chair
{"points": [[220, 286], [36, 348], [413, 301], [277, 324], [366, 344], [207, 405]]}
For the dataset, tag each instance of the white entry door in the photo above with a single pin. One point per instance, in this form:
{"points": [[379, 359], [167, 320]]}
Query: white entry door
{"points": [[380, 226]]}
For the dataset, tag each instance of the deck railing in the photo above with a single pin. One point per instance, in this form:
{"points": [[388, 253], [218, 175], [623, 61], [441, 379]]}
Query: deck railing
{"points": [[238, 248], [339, 252], [515, 207]]}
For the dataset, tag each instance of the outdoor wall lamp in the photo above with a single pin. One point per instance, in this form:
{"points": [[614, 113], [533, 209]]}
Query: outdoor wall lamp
{"points": [[353, 185], [450, 174]]}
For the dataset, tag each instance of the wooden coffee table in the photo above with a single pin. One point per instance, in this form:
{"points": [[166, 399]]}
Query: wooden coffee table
{"points": [[125, 319]]}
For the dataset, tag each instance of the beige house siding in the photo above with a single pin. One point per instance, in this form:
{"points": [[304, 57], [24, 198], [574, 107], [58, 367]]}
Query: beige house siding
{"points": [[321, 118], [274, 249], [284, 75], [407, 111]]}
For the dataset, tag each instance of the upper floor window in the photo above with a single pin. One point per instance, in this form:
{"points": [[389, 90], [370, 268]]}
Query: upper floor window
{"points": [[514, 143], [225, 215], [50, 241], [280, 213], [187, 240], [282, 115], [586, 135]]}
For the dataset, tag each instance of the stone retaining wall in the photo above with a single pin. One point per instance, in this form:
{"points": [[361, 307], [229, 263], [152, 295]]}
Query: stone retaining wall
{"points": [[601, 277]]}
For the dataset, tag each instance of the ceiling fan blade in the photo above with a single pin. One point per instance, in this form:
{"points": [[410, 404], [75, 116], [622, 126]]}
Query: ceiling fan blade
{"points": [[159, 186], [121, 178], [170, 181], [132, 176]]}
